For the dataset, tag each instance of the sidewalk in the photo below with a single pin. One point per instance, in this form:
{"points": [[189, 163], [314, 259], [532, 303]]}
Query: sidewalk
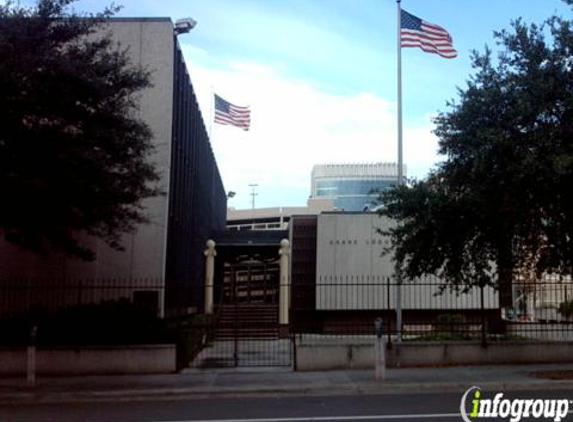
{"points": [[200, 384]]}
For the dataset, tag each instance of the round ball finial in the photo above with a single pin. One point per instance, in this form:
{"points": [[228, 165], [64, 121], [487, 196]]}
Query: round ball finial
{"points": [[210, 243], [285, 243]]}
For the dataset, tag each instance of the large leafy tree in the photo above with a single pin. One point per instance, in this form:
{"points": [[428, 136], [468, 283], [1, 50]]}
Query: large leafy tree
{"points": [[73, 152], [500, 204]]}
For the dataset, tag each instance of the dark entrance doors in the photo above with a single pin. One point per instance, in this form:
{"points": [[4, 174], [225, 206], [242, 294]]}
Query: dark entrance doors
{"points": [[248, 280]]}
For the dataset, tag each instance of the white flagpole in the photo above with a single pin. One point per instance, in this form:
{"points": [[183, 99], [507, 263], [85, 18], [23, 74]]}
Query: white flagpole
{"points": [[400, 180]]}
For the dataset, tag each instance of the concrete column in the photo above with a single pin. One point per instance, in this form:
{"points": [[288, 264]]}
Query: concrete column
{"points": [[531, 305], [210, 255], [284, 292]]}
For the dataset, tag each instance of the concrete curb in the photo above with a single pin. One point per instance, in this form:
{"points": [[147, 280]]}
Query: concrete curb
{"points": [[369, 388]]}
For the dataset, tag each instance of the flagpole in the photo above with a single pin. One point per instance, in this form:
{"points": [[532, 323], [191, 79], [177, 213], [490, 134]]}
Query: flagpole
{"points": [[211, 112], [400, 158], [400, 180]]}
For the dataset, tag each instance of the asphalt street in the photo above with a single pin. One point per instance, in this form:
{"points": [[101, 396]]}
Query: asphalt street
{"points": [[399, 407]]}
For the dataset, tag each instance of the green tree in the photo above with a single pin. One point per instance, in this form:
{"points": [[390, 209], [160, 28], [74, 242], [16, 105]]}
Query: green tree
{"points": [[501, 201], [73, 153]]}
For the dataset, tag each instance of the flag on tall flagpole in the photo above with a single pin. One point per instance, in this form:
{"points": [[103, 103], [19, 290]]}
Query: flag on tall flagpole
{"points": [[230, 114], [431, 38], [414, 32]]}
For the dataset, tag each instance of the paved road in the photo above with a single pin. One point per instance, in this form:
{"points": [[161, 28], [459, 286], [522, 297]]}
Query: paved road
{"points": [[399, 407]]}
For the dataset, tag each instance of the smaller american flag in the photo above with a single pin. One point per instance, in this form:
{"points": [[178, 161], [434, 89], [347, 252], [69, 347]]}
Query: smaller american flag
{"points": [[431, 38], [230, 114]]}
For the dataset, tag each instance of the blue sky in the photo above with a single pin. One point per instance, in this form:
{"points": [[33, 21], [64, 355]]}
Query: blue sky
{"points": [[320, 77]]}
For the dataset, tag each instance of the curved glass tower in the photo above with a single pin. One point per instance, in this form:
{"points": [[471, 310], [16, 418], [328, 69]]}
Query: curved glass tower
{"points": [[353, 187]]}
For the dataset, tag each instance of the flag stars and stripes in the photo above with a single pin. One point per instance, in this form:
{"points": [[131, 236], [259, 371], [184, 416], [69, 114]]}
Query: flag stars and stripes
{"points": [[431, 38], [230, 114]]}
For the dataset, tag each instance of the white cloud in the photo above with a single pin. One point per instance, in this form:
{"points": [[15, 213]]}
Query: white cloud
{"points": [[294, 126], [252, 69], [420, 149], [194, 51]]}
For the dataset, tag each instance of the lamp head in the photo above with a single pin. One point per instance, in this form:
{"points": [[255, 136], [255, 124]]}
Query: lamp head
{"points": [[183, 26]]}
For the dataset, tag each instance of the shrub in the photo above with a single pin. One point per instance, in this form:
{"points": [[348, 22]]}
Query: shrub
{"points": [[451, 327], [106, 323], [566, 309]]}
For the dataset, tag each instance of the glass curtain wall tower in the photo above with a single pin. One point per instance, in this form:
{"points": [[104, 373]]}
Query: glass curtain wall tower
{"points": [[353, 187]]}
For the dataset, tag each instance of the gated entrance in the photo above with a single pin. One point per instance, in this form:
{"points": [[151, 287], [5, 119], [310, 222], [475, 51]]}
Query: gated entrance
{"points": [[244, 331], [250, 280]]}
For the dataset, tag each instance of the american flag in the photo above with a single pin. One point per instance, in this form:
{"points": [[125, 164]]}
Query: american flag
{"points": [[429, 37], [230, 114]]}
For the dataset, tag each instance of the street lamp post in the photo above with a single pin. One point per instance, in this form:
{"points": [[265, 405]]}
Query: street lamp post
{"points": [[253, 193]]}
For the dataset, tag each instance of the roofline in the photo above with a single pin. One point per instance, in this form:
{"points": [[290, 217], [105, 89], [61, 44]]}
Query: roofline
{"points": [[250, 245], [139, 19], [348, 212]]}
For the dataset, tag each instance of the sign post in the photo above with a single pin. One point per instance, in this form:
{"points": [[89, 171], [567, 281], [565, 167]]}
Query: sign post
{"points": [[31, 361], [379, 351]]}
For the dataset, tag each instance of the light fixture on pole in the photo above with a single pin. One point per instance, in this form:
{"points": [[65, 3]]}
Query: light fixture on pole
{"points": [[183, 26], [253, 193]]}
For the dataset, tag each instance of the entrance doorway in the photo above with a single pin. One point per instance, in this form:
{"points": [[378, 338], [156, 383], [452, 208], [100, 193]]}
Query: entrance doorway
{"points": [[245, 326], [250, 280]]}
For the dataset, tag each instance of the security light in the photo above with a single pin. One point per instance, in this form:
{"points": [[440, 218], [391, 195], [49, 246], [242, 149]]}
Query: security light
{"points": [[183, 26]]}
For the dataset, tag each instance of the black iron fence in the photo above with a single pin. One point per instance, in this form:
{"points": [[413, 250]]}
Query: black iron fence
{"points": [[82, 311], [88, 312], [91, 311], [428, 310], [25, 296]]}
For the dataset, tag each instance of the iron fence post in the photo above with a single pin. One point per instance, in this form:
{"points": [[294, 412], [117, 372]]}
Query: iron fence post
{"points": [[31, 357], [483, 318], [236, 337], [388, 331]]}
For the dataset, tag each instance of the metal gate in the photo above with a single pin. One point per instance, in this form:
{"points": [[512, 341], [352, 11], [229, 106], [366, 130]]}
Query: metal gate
{"points": [[245, 331]]}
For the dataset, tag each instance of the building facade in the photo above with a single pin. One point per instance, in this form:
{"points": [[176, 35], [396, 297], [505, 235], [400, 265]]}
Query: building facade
{"points": [[342, 278], [168, 250], [274, 218], [353, 187]]}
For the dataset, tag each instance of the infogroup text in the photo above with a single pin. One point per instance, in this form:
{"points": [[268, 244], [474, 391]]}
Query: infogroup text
{"points": [[473, 406]]}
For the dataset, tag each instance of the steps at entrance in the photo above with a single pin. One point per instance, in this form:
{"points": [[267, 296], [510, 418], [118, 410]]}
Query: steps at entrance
{"points": [[247, 321]]}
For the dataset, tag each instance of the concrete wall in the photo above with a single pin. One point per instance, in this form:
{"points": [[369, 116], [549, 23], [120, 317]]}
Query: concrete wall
{"points": [[351, 271], [359, 354], [243, 219], [144, 359], [150, 43], [537, 331]]}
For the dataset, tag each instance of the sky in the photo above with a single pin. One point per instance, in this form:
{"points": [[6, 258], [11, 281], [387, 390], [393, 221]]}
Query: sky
{"points": [[320, 77]]}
